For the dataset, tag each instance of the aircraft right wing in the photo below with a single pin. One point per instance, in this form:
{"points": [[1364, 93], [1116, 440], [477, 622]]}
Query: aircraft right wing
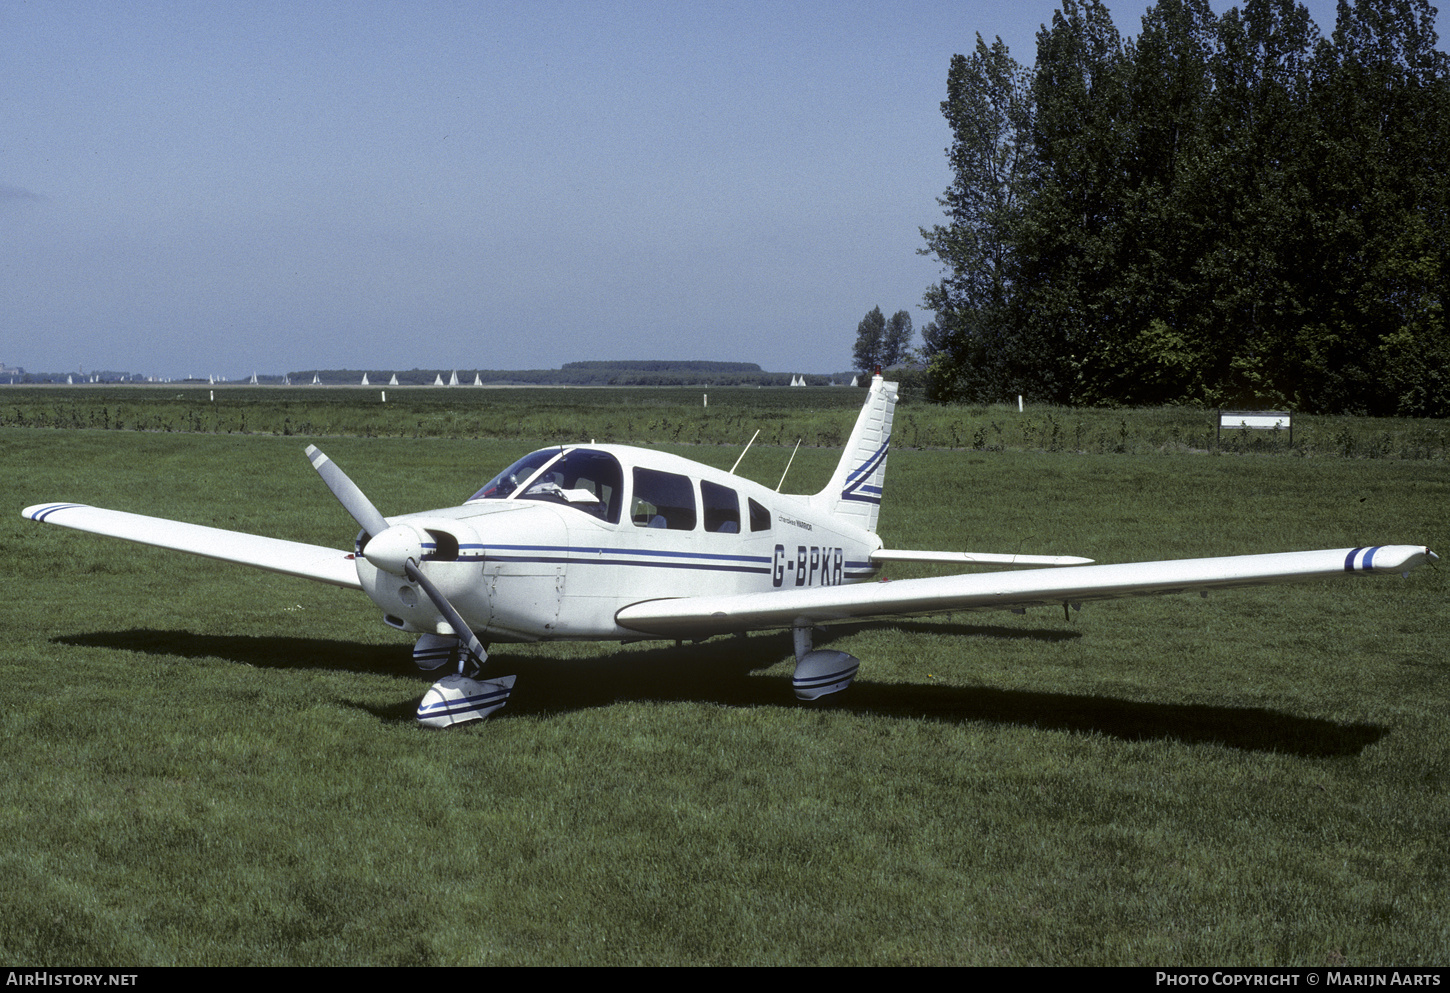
{"points": [[291, 558], [695, 617]]}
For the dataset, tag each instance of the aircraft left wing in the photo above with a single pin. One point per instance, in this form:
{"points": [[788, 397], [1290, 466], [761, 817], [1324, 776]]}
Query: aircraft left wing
{"points": [[695, 617], [291, 558]]}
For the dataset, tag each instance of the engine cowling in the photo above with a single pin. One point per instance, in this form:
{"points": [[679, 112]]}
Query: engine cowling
{"points": [[451, 555]]}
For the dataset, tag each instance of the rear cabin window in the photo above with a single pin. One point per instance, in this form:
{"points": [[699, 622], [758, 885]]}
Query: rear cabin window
{"points": [[759, 517], [722, 508], [662, 500]]}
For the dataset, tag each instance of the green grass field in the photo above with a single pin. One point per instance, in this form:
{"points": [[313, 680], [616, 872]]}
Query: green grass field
{"points": [[210, 765], [680, 415]]}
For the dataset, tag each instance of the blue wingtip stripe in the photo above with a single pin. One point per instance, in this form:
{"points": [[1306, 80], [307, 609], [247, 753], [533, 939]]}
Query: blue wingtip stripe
{"points": [[1366, 563], [42, 513]]}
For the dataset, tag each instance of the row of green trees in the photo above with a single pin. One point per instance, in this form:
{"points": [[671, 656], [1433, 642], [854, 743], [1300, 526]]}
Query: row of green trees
{"points": [[1223, 210], [664, 365], [624, 373]]}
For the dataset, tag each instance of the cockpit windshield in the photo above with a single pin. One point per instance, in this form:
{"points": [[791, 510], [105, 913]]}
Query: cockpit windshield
{"points": [[502, 486], [581, 478]]}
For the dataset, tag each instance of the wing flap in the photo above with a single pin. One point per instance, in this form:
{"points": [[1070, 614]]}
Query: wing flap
{"points": [[700, 616], [291, 558], [974, 558]]}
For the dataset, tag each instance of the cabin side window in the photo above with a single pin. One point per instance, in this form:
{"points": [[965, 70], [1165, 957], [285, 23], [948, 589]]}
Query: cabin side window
{"points": [[722, 508], [662, 500], [759, 517]]}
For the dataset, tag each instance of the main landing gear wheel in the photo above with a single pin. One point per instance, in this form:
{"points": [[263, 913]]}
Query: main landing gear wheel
{"points": [[821, 672]]}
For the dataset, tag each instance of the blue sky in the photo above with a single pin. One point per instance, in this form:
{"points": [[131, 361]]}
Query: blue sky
{"points": [[217, 188]]}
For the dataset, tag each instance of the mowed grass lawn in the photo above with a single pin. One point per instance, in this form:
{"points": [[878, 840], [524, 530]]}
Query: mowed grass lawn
{"points": [[209, 765]]}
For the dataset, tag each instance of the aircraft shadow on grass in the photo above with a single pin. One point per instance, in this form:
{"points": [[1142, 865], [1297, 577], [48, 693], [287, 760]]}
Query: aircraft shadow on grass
{"points": [[727, 671]]}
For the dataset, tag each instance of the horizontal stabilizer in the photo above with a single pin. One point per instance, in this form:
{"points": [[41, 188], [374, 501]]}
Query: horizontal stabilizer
{"points": [[291, 558], [694, 617]]}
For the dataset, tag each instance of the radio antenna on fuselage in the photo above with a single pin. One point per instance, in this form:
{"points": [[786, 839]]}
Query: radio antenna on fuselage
{"points": [[788, 463], [747, 448]]}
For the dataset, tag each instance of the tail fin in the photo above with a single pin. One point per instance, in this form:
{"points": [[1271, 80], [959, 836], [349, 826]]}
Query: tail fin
{"points": [[854, 492]]}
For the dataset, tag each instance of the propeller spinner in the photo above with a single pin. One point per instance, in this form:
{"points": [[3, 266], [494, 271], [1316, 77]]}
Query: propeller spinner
{"points": [[398, 549]]}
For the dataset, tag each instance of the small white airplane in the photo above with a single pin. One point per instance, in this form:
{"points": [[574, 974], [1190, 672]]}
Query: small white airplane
{"points": [[612, 543]]}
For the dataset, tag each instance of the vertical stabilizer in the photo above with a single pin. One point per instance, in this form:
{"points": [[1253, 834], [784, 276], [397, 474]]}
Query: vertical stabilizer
{"points": [[854, 492]]}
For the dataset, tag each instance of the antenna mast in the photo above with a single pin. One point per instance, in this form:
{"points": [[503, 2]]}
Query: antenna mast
{"points": [[747, 448], [788, 464]]}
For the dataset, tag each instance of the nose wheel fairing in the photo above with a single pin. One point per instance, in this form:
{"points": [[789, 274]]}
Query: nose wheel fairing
{"points": [[457, 699], [460, 696]]}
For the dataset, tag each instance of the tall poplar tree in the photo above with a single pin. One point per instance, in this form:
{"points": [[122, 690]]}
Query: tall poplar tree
{"points": [[969, 345], [1257, 243], [1068, 319], [1159, 352]]}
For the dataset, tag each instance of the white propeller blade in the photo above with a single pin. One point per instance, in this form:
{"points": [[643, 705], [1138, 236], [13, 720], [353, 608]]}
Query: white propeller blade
{"points": [[347, 493]]}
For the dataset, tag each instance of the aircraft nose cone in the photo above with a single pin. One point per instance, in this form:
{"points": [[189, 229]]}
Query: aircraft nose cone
{"points": [[395, 546]]}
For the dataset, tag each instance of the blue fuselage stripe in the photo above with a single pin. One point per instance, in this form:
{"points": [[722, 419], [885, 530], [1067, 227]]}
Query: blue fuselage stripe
{"points": [[640, 558], [563, 560], [649, 552]]}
